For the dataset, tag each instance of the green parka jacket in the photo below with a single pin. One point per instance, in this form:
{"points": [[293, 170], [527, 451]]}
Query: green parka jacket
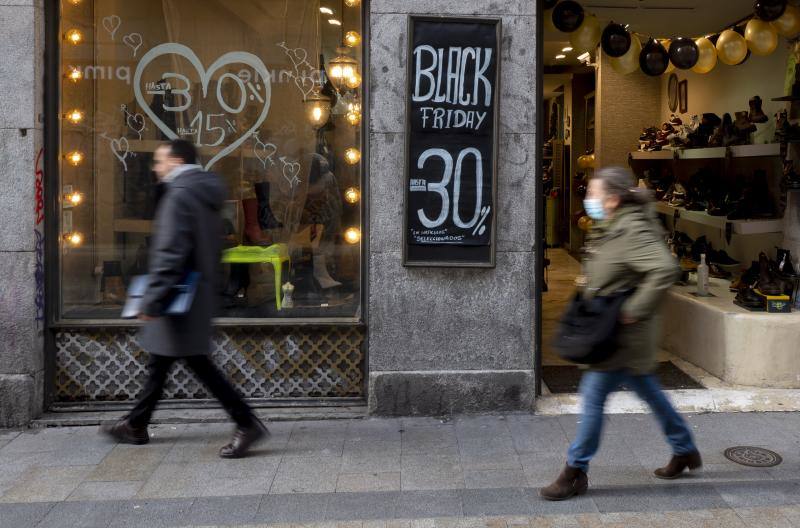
{"points": [[628, 251]]}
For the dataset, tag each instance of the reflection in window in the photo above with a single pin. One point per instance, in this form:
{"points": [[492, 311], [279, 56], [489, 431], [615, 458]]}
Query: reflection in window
{"points": [[270, 91]]}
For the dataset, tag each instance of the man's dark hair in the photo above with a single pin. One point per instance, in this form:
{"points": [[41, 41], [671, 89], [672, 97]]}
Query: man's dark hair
{"points": [[185, 150]]}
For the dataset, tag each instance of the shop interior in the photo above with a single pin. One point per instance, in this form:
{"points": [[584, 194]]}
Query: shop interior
{"points": [[702, 103]]}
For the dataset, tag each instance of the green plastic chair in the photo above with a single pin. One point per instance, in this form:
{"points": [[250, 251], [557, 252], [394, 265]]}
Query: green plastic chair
{"points": [[276, 254]]}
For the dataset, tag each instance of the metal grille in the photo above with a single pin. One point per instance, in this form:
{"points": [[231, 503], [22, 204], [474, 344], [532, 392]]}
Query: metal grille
{"points": [[106, 364]]}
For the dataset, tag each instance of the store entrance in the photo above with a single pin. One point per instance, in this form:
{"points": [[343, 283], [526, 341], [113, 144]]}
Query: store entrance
{"points": [[711, 136]]}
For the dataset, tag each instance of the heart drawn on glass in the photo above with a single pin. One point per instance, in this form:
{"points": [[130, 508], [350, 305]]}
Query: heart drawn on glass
{"points": [[217, 126]]}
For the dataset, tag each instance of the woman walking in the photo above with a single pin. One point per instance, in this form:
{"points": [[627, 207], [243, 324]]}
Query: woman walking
{"points": [[625, 251]]}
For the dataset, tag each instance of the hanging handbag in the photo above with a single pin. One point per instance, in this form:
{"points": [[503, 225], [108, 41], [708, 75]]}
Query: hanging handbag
{"points": [[587, 332], [179, 301]]}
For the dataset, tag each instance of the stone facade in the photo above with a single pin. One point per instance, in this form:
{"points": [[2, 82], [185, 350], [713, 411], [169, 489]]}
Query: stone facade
{"points": [[452, 340], [21, 212]]}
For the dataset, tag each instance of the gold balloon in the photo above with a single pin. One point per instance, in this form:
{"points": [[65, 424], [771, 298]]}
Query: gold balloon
{"points": [[761, 37], [629, 62], [585, 223], [788, 24], [708, 56], [587, 161], [586, 37], [731, 47], [670, 66]]}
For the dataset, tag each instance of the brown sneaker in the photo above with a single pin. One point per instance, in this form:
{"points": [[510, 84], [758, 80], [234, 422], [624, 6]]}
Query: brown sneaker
{"points": [[677, 464], [243, 439], [123, 432], [572, 481]]}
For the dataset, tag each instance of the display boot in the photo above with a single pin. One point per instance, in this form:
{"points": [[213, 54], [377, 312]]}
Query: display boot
{"points": [[749, 298], [743, 123], [757, 115], [252, 230], [767, 283], [784, 263], [266, 219], [321, 274]]}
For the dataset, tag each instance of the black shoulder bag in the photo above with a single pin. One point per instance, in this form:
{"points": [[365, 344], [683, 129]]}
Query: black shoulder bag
{"points": [[587, 332]]}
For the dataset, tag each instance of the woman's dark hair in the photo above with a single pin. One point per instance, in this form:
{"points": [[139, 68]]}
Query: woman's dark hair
{"points": [[182, 149], [619, 181]]}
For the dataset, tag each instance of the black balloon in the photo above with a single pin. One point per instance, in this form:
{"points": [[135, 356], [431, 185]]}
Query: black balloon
{"points": [[769, 10], [616, 41], [567, 16], [550, 4], [654, 59], [683, 53]]}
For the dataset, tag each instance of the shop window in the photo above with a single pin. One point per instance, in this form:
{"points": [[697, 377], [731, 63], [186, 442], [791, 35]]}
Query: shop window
{"points": [[271, 93]]}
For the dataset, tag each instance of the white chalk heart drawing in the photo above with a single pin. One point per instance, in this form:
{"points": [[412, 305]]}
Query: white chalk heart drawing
{"points": [[133, 41], [136, 123], [264, 152], [121, 148], [290, 171], [231, 58], [111, 24], [305, 85]]}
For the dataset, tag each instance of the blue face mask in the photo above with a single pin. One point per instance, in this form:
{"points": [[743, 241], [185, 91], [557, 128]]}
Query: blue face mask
{"points": [[594, 208]]}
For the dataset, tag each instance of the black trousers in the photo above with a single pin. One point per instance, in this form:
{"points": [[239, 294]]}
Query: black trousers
{"points": [[205, 370]]}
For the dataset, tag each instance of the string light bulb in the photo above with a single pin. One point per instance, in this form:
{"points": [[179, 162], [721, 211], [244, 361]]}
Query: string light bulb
{"points": [[352, 3], [74, 75], [73, 36], [340, 69], [354, 81], [318, 108], [75, 2], [352, 195], [74, 198], [75, 158], [75, 116], [352, 155], [352, 39], [75, 238], [352, 235], [353, 117]]}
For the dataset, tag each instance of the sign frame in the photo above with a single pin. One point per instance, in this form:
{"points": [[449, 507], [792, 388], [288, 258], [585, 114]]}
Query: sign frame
{"points": [[436, 255]]}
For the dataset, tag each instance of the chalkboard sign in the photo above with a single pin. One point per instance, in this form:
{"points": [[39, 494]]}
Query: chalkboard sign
{"points": [[451, 146]]}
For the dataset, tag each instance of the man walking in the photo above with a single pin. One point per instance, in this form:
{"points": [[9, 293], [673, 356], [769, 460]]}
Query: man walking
{"points": [[188, 233]]}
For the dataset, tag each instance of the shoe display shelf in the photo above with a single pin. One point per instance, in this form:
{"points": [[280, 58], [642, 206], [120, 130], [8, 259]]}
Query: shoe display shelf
{"points": [[732, 343], [736, 151], [740, 227]]}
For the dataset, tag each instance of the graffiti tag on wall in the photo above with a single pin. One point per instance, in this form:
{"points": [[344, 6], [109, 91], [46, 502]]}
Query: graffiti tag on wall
{"points": [[39, 237]]}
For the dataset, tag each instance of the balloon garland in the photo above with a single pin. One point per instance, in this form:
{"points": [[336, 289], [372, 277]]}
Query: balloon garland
{"points": [[756, 34]]}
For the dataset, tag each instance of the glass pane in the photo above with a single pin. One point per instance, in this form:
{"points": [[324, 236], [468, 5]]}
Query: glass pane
{"points": [[269, 91]]}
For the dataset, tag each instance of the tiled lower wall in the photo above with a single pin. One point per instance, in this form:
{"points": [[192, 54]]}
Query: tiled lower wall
{"points": [[107, 364]]}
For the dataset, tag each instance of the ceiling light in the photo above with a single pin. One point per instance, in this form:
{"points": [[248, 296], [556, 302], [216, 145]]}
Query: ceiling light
{"points": [[567, 49], [326, 10], [584, 56], [334, 22], [561, 56]]}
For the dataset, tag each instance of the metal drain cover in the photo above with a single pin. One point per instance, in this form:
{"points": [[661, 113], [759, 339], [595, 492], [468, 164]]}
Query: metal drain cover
{"points": [[753, 456]]}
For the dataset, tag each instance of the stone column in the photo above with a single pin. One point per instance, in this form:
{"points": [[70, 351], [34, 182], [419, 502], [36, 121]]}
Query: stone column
{"points": [[452, 340], [21, 212]]}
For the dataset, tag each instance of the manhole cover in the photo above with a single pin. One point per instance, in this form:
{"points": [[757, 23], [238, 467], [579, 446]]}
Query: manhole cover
{"points": [[753, 456]]}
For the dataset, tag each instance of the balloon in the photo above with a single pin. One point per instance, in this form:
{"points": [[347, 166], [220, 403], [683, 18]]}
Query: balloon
{"points": [[683, 53], [761, 37], [616, 41], [670, 67], [769, 10], [567, 16], [629, 62], [585, 38], [788, 24], [707, 56], [550, 4], [585, 223], [654, 59], [731, 47], [587, 161]]}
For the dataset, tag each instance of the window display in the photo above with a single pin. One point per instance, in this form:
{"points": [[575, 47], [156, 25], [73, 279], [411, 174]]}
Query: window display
{"points": [[270, 91]]}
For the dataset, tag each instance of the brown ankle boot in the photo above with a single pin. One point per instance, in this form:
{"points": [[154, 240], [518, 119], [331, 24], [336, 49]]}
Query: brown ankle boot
{"points": [[677, 464], [122, 431], [572, 481]]}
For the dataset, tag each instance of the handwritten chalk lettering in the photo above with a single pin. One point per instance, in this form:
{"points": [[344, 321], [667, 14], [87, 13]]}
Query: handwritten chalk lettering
{"points": [[441, 187], [440, 118], [442, 75]]}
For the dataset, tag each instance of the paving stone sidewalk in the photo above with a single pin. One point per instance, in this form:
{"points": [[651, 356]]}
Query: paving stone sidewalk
{"points": [[417, 472]]}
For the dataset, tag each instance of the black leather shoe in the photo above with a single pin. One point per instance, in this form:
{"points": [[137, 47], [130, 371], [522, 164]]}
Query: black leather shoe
{"points": [[244, 438], [123, 432]]}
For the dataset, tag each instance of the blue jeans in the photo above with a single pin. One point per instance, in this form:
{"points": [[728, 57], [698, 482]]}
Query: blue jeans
{"points": [[595, 388]]}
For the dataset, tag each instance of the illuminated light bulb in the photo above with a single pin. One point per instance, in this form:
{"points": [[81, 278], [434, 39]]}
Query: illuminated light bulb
{"points": [[75, 2], [326, 10], [340, 69], [352, 39], [334, 22], [73, 36], [352, 195], [75, 239], [74, 75], [75, 116], [354, 117], [352, 155], [352, 3], [74, 198], [318, 108], [352, 235], [353, 81], [75, 158]]}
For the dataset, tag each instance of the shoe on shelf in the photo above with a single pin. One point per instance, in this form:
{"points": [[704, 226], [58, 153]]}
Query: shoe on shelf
{"points": [[756, 114], [749, 298]]}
